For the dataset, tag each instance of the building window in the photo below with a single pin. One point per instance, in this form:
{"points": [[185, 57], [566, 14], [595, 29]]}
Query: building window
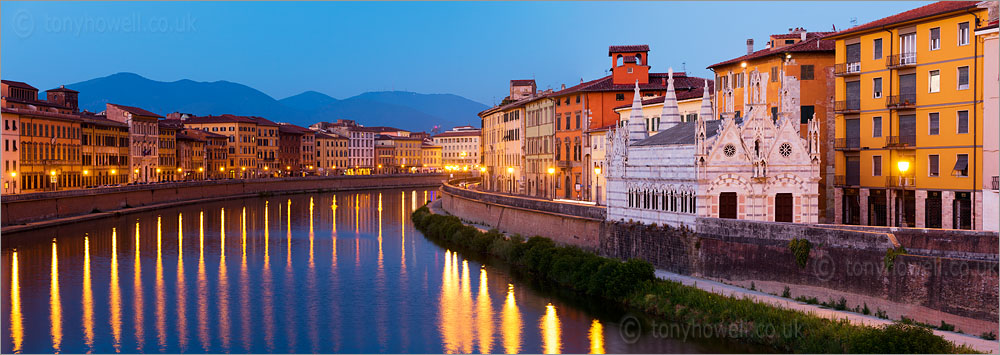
{"points": [[807, 113], [877, 126], [807, 72], [963, 78], [935, 38], [963, 122], [619, 97], [877, 88], [876, 165], [961, 166], [932, 165], [774, 74], [933, 123], [963, 33], [877, 48], [934, 81]]}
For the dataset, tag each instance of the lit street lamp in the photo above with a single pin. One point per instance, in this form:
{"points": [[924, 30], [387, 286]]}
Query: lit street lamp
{"points": [[597, 182], [903, 166], [548, 185]]}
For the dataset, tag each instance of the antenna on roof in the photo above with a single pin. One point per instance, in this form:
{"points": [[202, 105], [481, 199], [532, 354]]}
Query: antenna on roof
{"points": [[834, 27], [854, 21], [684, 67]]}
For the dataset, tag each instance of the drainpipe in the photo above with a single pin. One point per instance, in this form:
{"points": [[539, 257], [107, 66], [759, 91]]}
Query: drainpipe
{"points": [[900, 199], [975, 93]]}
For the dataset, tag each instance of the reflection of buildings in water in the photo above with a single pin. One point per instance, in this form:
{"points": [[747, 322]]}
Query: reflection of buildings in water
{"points": [[223, 289], [181, 293], [115, 298], [202, 286], [484, 315], [267, 286], [55, 303], [596, 336], [137, 307], [244, 283], [161, 321], [88, 297]]}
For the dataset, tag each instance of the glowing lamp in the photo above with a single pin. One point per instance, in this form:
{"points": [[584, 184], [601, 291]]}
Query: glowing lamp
{"points": [[903, 166]]}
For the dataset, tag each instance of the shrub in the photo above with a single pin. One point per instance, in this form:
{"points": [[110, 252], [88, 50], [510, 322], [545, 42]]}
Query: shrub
{"points": [[786, 293], [800, 248], [898, 338]]}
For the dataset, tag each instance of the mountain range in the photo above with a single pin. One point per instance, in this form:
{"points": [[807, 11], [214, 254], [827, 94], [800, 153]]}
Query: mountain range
{"points": [[401, 109]]}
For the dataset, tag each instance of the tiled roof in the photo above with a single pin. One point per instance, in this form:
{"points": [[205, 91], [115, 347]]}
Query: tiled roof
{"points": [[293, 129], [386, 129], [686, 93], [175, 124], [261, 121], [35, 102], [938, 8], [522, 82], [628, 48], [18, 84], [63, 89], [47, 114], [190, 134], [629, 59], [428, 145], [227, 118], [136, 111], [682, 133], [818, 43], [322, 135], [90, 117], [657, 81], [470, 133]]}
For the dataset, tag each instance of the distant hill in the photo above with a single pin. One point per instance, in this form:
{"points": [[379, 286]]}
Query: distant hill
{"points": [[406, 110]]}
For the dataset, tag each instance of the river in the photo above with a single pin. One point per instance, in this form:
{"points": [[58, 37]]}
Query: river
{"points": [[327, 272]]}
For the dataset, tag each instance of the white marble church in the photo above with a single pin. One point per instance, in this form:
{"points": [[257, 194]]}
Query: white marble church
{"points": [[745, 168]]}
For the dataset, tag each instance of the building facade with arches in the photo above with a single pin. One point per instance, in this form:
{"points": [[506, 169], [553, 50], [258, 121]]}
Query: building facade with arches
{"points": [[758, 167]]}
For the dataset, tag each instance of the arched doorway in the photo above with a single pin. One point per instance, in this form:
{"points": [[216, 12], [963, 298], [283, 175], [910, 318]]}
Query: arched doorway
{"points": [[568, 188]]}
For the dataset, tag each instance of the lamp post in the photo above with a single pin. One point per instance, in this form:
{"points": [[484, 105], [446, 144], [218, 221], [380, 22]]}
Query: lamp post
{"points": [[597, 182], [510, 183], [903, 166], [548, 183]]}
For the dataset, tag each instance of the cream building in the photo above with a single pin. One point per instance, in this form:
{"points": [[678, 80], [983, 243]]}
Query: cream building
{"points": [[459, 147], [144, 139], [539, 145]]}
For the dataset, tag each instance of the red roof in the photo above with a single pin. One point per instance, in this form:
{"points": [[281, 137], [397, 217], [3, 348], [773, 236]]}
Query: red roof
{"points": [[470, 133], [63, 89], [657, 81], [175, 124], [47, 114], [686, 93], [19, 84], [628, 48], [261, 121], [190, 134], [136, 111], [90, 117], [293, 129], [938, 8], [527, 82], [227, 118], [818, 42]]}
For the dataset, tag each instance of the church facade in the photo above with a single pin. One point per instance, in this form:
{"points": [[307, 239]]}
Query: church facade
{"points": [[756, 167]]}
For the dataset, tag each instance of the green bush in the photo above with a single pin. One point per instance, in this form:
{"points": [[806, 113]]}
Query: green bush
{"points": [[898, 339], [800, 248]]}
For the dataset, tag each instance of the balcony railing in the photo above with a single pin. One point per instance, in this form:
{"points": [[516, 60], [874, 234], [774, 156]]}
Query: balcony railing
{"points": [[853, 143], [901, 101], [849, 106], [564, 164], [901, 142], [842, 69], [846, 180], [995, 183], [901, 182], [903, 60]]}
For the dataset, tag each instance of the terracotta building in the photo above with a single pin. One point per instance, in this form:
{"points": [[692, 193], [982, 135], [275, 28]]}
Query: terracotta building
{"points": [[191, 154], [143, 139]]}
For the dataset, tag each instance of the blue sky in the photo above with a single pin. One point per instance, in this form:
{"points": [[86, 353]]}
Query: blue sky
{"points": [[345, 48]]}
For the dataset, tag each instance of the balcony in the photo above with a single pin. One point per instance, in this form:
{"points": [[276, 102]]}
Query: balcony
{"points": [[853, 143], [899, 102], [900, 142], [849, 106], [995, 183], [845, 69], [900, 182], [904, 60], [847, 180], [564, 164]]}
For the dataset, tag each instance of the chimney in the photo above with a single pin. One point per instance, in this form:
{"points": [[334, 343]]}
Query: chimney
{"points": [[563, 87], [803, 33], [749, 45]]}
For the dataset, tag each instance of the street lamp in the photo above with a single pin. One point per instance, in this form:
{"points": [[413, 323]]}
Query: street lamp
{"points": [[548, 184], [903, 166]]}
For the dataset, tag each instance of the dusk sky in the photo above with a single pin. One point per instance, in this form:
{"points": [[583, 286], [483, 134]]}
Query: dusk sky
{"points": [[343, 49]]}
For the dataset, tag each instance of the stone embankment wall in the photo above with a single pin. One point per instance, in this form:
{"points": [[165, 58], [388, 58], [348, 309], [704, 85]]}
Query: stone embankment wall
{"points": [[18, 209], [945, 275]]}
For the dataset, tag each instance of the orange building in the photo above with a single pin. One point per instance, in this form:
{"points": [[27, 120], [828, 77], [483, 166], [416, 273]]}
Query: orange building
{"points": [[797, 70]]}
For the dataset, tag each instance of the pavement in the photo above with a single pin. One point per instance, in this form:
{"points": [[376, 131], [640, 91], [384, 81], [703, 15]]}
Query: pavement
{"points": [[974, 342]]}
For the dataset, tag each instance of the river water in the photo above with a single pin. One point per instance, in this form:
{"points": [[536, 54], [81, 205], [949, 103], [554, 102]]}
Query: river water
{"points": [[325, 272]]}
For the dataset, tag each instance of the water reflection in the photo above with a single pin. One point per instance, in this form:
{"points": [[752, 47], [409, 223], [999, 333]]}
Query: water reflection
{"points": [[383, 288]]}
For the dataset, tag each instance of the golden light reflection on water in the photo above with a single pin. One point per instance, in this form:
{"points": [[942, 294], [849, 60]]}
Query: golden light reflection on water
{"points": [[161, 321], [181, 287], [115, 299], [267, 286], [456, 306], [402, 242], [88, 298], [511, 323], [16, 318], [244, 283], [465, 308], [484, 315], [55, 303], [551, 337], [224, 326], [203, 328], [138, 319], [289, 277], [311, 284], [596, 336]]}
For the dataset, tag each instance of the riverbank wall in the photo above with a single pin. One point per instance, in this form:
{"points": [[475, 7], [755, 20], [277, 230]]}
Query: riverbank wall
{"points": [[943, 275], [36, 207]]}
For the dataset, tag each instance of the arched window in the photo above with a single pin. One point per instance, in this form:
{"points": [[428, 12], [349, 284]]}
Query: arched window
{"points": [[638, 59], [619, 61]]}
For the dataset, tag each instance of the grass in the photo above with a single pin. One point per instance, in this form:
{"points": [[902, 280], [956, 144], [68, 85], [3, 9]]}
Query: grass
{"points": [[633, 283]]}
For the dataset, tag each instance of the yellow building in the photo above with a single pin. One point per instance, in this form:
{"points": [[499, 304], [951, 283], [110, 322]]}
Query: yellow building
{"points": [[909, 119], [241, 160], [166, 170], [49, 137], [267, 147], [105, 151], [430, 158], [331, 153]]}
